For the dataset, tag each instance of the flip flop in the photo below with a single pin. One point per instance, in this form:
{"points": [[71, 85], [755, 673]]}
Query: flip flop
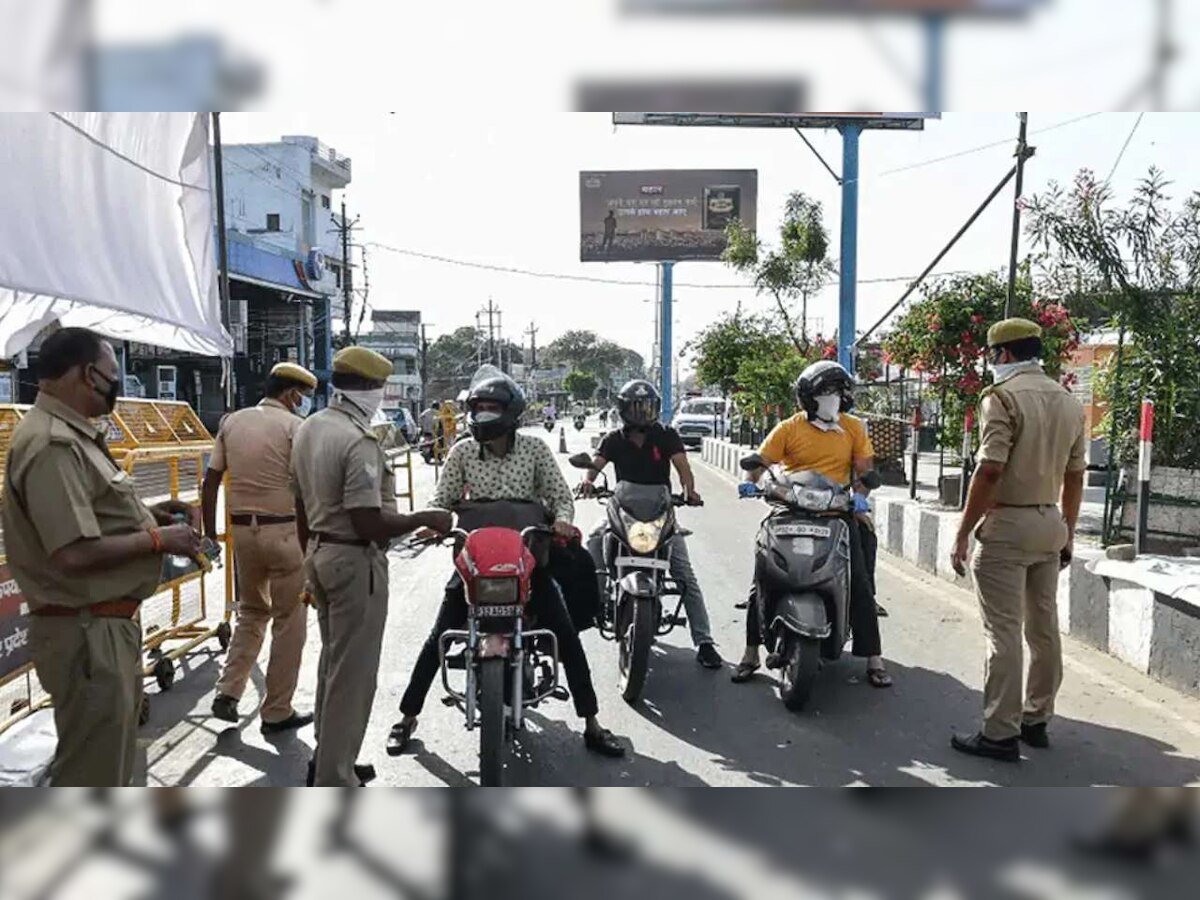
{"points": [[744, 672], [879, 678], [399, 736]]}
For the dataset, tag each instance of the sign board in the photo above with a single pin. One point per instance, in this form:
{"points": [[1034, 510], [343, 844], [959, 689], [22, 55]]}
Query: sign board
{"points": [[850, 7], [14, 625], [663, 214], [782, 96], [891, 121]]}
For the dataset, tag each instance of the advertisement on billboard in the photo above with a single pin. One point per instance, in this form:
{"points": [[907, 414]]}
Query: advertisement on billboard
{"points": [[664, 214], [14, 625]]}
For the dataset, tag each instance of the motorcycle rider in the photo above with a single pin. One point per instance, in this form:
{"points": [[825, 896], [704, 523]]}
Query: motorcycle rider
{"points": [[498, 463], [821, 438], [643, 452]]}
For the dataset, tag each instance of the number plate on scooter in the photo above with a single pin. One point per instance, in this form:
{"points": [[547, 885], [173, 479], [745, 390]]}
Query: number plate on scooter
{"points": [[498, 611], [801, 530]]}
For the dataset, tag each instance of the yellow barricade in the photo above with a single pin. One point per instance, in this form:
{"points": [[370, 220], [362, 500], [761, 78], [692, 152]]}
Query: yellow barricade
{"points": [[162, 445]]}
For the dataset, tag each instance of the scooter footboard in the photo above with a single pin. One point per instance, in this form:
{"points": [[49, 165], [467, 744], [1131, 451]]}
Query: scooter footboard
{"points": [[803, 614]]}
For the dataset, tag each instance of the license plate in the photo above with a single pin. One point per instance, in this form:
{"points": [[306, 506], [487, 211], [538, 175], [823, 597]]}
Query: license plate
{"points": [[642, 562], [497, 611], [802, 530]]}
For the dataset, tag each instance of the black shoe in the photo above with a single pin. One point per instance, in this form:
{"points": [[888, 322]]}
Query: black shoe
{"points": [[224, 708], [364, 773], [1035, 735], [291, 723], [603, 742], [707, 656], [880, 612], [1007, 750], [399, 736]]}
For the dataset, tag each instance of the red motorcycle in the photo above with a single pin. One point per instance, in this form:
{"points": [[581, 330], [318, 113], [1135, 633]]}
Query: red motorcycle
{"points": [[511, 665]]}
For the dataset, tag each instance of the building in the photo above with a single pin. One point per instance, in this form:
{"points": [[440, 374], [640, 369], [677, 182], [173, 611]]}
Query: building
{"points": [[397, 335], [1085, 364], [286, 276]]}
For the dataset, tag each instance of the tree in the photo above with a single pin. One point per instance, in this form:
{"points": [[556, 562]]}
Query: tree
{"points": [[720, 348], [796, 269], [454, 355], [580, 385]]}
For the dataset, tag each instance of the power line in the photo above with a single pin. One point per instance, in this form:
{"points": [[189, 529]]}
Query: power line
{"points": [[1124, 147]]}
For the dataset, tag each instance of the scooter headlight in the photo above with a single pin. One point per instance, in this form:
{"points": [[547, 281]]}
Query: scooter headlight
{"points": [[815, 500], [644, 536]]}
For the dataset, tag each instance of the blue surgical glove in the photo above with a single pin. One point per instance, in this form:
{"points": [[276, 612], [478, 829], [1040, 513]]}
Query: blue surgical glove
{"points": [[747, 489], [861, 504]]}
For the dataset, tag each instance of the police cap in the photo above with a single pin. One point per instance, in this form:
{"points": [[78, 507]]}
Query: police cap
{"points": [[1012, 330], [362, 362], [293, 372]]}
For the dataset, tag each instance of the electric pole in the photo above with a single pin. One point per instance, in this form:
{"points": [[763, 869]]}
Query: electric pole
{"points": [[423, 347], [1024, 152], [531, 369], [493, 322], [344, 227]]}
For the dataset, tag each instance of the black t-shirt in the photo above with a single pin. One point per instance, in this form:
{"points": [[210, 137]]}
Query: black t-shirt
{"points": [[647, 464]]}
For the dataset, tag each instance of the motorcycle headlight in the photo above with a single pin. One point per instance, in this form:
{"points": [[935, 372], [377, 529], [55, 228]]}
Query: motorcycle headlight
{"points": [[644, 536], [496, 592]]}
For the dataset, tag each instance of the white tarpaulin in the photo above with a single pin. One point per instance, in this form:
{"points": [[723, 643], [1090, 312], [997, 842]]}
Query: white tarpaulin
{"points": [[106, 222]]}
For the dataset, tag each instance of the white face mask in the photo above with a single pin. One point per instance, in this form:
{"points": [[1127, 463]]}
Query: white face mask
{"points": [[1003, 371], [305, 406], [829, 407], [367, 401]]}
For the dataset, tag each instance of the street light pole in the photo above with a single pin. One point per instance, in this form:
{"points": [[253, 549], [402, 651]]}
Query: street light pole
{"points": [[1024, 152]]}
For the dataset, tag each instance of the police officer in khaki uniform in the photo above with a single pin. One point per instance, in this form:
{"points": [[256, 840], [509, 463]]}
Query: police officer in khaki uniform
{"points": [[1031, 455], [254, 446], [85, 552], [345, 516]]}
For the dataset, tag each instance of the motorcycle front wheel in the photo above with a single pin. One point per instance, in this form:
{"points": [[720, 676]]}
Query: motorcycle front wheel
{"points": [[492, 749], [799, 674], [636, 622]]}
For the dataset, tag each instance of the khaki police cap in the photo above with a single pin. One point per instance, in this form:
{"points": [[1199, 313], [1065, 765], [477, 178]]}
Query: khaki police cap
{"points": [[362, 362], [293, 372], [1012, 330]]}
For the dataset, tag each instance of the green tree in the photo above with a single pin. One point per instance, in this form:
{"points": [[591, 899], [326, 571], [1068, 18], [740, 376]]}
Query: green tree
{"points": [[580, 385], [794, 270], [722, 346], [583, 351]]}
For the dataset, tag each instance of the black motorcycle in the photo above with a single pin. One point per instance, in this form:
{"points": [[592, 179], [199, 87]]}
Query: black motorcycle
{"points": [[548, 424], [580, 421], [634, 568], [802, 575]]}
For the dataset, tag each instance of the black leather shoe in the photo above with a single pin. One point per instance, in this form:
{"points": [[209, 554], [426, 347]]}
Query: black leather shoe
{"points": [[707, 656], [603, 742], [224, 708], [1035, 735], [364, 773], [976, 744], [291, 723]]}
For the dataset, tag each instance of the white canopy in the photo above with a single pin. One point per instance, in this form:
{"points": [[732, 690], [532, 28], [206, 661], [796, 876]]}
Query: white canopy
{"points": [[106, 222]]}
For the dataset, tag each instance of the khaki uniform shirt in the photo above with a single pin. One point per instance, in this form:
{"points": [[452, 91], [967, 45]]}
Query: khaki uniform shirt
{"points": [[255, 446], [1033, 427], [61, 486], [337, 466]]}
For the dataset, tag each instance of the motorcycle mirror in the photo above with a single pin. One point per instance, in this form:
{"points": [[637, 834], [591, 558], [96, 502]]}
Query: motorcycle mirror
{"points": [[871, 480], [580, 461], [752, 462]]}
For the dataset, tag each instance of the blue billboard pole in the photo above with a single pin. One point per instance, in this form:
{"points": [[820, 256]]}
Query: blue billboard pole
{"points": [[848, 292], [665, 339]]}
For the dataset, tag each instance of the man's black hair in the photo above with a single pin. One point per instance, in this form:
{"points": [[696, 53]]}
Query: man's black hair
{"points": [[350, 382], [277, 384], [1023, 349], [67, 348]]}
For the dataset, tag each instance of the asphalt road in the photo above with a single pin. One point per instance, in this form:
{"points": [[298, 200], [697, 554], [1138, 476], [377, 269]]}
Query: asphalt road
{"points": [[695, 727]]}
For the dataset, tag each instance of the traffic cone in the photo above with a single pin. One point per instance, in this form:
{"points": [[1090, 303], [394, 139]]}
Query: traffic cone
{"points": [[562, 439]]}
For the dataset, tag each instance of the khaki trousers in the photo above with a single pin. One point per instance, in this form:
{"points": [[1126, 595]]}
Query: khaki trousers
{"points": [[92, 670], [270, 571], [350, 585], [1016, 568]]}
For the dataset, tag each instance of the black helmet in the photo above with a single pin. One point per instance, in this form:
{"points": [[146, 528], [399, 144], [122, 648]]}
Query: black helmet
{"points": [[501, 389], [824, 377], [639, 404]]}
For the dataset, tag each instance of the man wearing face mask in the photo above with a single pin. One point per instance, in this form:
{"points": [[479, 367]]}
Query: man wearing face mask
{"points": [[1033, 441], [822, 438], [345, 517], [85, 552], [254, 446]]}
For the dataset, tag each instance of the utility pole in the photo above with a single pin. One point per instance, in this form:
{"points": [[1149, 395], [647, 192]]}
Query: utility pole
{"points": [[531, 369], [222, 257], [493, 321], [424, 357], [1024, 152], [344, 228]]}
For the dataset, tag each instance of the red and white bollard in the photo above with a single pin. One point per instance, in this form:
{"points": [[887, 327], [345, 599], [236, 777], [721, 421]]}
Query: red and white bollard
{"points": [[1145, 451]]}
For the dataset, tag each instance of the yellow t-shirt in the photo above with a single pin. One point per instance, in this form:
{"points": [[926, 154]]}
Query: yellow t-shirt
{"points": [[801, 446]]}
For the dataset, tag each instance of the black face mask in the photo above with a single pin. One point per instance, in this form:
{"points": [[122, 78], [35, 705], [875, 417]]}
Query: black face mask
{"points": [[114, 391]]}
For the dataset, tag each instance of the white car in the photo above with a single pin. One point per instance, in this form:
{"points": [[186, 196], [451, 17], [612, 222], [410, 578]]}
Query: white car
{"points": [[701, 417]]}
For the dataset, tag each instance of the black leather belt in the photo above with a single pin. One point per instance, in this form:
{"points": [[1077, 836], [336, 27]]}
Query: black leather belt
{"points": [[340, 541], [255, 519], [1027, 505]]}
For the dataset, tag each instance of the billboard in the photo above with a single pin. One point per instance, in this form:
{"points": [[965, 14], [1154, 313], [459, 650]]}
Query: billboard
{"points": [[14, 625], [662, 215]]}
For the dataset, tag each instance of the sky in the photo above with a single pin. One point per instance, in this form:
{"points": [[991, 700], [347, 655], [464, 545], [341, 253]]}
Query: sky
{"points": [[502, 190]]}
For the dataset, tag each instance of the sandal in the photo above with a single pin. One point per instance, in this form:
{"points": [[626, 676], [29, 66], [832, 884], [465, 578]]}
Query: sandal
{"points": [[744, 672], [399, 736], [879, 678], [603, 742]]}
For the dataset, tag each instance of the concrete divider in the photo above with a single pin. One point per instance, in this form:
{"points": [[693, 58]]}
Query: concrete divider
{"points": [[1154, 633]]}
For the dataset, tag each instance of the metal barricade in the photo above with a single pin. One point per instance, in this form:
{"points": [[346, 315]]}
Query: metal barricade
{"points": [[163, 446]]}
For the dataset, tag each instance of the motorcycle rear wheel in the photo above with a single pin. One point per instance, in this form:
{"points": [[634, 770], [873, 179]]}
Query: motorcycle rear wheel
{"points": [[636, 624], [492, 748], [799, 673]]}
